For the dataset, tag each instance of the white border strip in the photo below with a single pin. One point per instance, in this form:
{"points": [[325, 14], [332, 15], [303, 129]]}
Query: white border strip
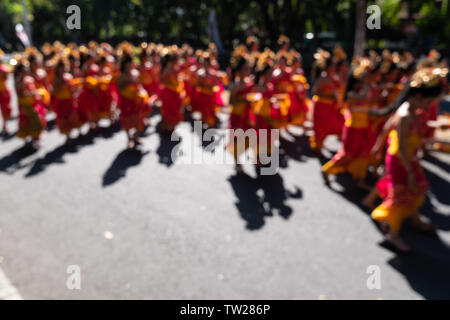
{"points": [[7, 290]]}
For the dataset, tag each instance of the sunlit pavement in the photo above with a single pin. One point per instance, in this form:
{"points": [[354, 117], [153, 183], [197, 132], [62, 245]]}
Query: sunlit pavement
{"points": [[140, 226]]}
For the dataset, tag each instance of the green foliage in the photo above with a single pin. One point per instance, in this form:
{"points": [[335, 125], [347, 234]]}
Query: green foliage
{"points": [[186, 20]]}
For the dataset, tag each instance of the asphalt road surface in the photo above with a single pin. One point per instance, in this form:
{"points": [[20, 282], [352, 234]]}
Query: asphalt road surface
{"points": [[142, 227]]}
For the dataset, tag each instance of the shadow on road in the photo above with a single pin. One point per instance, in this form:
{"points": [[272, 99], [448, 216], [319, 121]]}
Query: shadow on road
{"points": [[427, 269], [56, 155], [11, 163], [296, 148], [439, 186], [166, 146], [262, 197], [7, 136], [124, 160]]}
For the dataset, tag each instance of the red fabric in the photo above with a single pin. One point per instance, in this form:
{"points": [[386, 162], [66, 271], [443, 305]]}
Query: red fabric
{"points": [[241, 121], [205, 103], [131, 114], [171, 109], [431, 114], [32, 120], [354, 145], [5, 104], [327, 120], [297, 105], [218, 96], [105, 100], [89, 105], [154, 88], [394, 186], [67, 116]]}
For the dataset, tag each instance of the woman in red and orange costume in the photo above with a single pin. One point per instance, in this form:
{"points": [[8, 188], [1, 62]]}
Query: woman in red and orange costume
{"points": [[40, 76], [5, 95], [264, 113], [354, 155], [145, 69], [206, 89], [282, 80], [48, 62], [240, 87], [89, 97], [193, 82], [31, 109], [74, 64], [327, 117], [65, 89], [391, 84], [155, 87], [299, 109], [223, 79], [342, 73], [404, 185], [173, 95], [374, 81], [188, 67], [134, 102], [106, 89]]}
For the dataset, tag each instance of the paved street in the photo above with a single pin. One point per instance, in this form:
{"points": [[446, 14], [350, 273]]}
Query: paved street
{"points": [[142, 227]]}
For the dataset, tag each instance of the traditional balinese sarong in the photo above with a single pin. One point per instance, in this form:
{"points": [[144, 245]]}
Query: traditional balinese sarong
{"points": [[328, 120], [133, 107], [89, 101], [32, 113], [400, 202], [354, 154], [172, 97], [5, 99], [66, 108]]}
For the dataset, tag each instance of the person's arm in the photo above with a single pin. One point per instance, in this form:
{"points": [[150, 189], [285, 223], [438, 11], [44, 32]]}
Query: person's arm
{"points": [[320, 88], [357, 98], [402, 129], [382, 137], [233, 94], [56, 84]]}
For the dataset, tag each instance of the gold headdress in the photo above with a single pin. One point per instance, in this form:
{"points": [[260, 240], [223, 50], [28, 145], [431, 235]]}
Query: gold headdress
{"points": [[396, 58], [321, 57], [251, 40], [360, 67], [434, 55], [125, 48], [198, 54], [388, 60], [46, 48], [283, 54], [265, 58], [186, 49], [283, 40], [296, 55], [83, 50], [428, 77], [93, 45], [19, 59], [204, 56], [339, 54], [212, 48], [238, 53]]}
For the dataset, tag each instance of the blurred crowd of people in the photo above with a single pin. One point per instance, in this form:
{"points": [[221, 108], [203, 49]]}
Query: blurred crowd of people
{"points": [[384, 107]]}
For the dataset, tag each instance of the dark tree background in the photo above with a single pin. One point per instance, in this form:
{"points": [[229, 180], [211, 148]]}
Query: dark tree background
{"points": [[417, 24]]}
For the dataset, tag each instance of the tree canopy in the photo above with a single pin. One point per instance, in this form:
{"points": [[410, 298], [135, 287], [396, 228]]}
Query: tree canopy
{"points": [[177, 21]]}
